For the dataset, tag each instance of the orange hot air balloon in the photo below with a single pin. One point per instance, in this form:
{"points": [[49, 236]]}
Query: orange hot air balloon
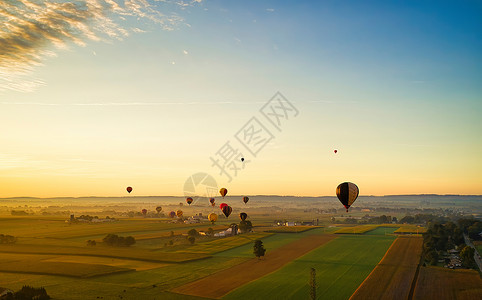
{"points": [[245, 200], [179, 213], [129, 189], [189, 200], [223, 192], [212, 200], [227, 210]]}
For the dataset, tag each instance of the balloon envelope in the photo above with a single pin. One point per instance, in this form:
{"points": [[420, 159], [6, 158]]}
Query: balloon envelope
{"points": [[212, 217], [222, 205], [336, 151], [189, 200], [159, 209], [179, 213], [245, 200], [129, 189], [227, 210], [172, 214], [144, 211], [212, 200], [223, 192], [347, 193], [243, 216]]}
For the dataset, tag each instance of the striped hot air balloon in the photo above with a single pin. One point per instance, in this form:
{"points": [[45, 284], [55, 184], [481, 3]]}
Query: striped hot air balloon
{"points": [[347, 193]]}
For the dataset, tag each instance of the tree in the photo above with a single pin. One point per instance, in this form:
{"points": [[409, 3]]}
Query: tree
{"points": [[467, 256], [91, 243], [245, 226], [210, 231], [191, 239], [313, 284], [27, 292], [258, 249], [193, 232]]}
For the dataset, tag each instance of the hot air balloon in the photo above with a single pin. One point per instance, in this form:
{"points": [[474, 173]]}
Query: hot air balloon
{"points": [[144, 212], [129, 189], [158, 209], [347, 193], [172, 214], [243, 216], [222, 205], [212, 217], [335, 151], [179, 213], [223, 192], [245, 200], [212, 200], [242, 158], [227, 210], [189, 200]]}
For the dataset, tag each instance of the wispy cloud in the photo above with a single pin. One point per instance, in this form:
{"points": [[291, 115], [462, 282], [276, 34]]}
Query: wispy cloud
{"points": [[32, 30], [270, 9]]}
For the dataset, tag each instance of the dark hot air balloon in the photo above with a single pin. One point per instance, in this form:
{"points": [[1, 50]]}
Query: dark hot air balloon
{"points": [[347, 193], [129, 189], [158, 209], [243, 216], [245, 199], [336, 151], [144, 212], [227, 210], [212, 200], [189, 200], [172, 214]]}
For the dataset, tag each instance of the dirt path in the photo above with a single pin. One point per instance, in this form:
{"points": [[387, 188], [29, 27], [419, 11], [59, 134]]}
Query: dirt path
{"points": [[221, 283]]}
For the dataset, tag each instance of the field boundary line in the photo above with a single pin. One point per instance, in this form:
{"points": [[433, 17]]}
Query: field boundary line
{"points": [[374, 268]]}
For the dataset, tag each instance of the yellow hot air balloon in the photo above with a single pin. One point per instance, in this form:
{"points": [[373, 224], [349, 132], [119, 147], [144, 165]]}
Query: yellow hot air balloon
{"points": [[212, 217], [179, 213], [223, 192]]}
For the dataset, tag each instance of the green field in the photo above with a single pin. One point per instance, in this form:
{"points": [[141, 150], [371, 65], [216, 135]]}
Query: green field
{"points": [[382, 231], [341, 265]]}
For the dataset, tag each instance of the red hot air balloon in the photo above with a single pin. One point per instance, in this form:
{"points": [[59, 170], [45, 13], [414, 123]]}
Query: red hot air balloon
{"points": [[222, 205], [212, 200], [336, 151], [189, 200], [129, 189], [227, 210]]}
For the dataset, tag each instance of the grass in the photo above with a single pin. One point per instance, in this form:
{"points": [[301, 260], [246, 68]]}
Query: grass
{"points": [[341, 265], [223, 244], [381, 231]]}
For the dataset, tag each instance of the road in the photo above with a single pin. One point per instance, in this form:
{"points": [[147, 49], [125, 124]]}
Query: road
{"points": [[478, 261]]}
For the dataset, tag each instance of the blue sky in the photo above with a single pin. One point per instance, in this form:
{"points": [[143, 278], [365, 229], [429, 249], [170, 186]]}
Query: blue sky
{"points": [[394, 86]]}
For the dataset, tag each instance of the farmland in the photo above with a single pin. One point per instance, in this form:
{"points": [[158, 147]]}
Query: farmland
{"points": [[393, 276], [341, 265], [446, 284]]}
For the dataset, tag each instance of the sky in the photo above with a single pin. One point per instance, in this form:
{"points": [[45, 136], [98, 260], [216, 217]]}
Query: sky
{"points": [[98, 95]]}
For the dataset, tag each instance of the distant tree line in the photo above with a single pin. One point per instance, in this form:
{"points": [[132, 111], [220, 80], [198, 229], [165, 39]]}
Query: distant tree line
{"points": [[118, 241], [441, 237], [7, 239], [472, 228], [27, 293]]}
